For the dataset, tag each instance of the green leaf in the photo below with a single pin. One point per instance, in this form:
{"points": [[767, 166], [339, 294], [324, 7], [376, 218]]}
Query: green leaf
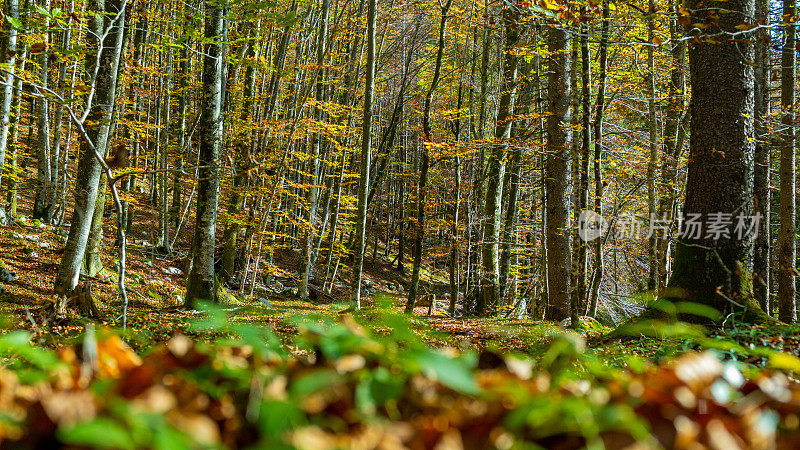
{"points": [[451, 372], [16, 23], [100, 432], [313, 382]]}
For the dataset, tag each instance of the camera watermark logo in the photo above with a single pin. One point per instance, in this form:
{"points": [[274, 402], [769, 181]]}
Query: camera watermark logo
{"points": [[713, 226], [591, 226]]}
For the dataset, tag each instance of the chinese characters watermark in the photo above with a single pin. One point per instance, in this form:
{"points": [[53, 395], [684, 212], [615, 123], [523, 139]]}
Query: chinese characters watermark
{"points": [[713, 226]]}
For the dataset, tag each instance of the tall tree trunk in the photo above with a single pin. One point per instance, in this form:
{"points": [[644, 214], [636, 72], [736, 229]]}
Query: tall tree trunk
{"points": [[99, 122], [673, 140], [11, 10], [712, 268], [652, 244], [787, 259], [16, 121], [316, 145], [243, 159], [427, 136], [490, 291], [366, 146], [761, 183], [45, 198], [201, 283], [597, 276], [557, 170], [579, 298], [163, 163]]}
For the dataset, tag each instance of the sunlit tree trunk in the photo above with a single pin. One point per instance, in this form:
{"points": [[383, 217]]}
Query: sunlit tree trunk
{"points": [[201, 283], [11, 10], [652, 244], [242, 160], [579, 298], [98, 131], [673, 139], [14, 142], [163, 160], [44, 200], [489, 299]]}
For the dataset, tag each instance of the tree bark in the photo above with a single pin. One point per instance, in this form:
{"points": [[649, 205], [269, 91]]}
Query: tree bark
{"points": [[712, 268], [761, 183], [243, 159], [427, 136], [557, 173], [600, 105], [11, 10], [673, 141], [787, 259], [201, 284], [45, 198], [489, 298], [653, 241], [98, 131], [366, 148], [316, 145]]}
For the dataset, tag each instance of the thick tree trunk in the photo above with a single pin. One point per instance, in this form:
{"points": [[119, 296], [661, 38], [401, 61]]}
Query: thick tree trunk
{"points": [[98, 131], [92, 264], [201, 284], [558, 175], [712, 268]]}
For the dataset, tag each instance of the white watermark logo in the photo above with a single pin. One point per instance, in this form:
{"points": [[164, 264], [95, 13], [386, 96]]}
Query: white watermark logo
{"points": [[591, 225], [713, 226]]}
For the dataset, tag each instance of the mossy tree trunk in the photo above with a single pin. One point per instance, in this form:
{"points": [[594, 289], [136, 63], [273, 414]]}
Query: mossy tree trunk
{"points": [[710, 268]]}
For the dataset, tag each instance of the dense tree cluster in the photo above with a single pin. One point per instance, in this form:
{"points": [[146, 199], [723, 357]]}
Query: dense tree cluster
{"points": [[475, 136]]}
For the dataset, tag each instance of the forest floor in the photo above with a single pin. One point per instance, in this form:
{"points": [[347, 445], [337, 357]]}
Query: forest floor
{"points": [[155, 286]]}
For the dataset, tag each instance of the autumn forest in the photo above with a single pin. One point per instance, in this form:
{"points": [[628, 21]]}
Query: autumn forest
{"points": [[399, 224]]}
